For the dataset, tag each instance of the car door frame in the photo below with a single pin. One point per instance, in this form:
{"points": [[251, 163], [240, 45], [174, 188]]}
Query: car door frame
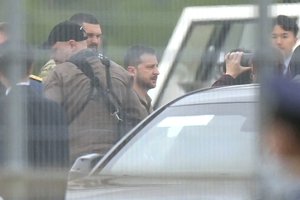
{"points": [[191, 15]]}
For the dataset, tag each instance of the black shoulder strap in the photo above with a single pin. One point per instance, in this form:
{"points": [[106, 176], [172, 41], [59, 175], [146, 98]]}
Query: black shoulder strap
{"points": [[84, 66], [80, 60], [109, 90]]}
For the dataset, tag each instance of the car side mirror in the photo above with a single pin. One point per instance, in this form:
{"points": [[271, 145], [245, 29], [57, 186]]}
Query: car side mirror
{"points": [[83, 165]]}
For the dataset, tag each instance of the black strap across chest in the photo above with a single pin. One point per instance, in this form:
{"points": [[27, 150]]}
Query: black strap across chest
{"points": [[109, 97]]}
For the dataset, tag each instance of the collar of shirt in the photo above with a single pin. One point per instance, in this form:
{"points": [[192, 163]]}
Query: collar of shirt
{"points": [[145, 101], [286, 64]]}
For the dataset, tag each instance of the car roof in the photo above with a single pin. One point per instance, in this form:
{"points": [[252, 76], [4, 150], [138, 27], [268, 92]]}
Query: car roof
{"points": [[226, 94]]}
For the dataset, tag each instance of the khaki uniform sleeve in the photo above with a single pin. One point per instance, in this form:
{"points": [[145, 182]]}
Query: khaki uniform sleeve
{"points": [[47, 68], [53, 87]]}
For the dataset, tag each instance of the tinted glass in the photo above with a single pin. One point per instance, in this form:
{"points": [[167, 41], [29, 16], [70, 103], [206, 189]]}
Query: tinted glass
{"points": [[203, 53], [190, 140]]}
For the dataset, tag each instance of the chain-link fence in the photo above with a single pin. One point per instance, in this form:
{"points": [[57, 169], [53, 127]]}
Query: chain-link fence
{"points": [[87, 88]]}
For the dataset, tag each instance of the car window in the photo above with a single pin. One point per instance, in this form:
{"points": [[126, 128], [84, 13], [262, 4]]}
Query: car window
{"points": [[188, 60], [190, 140], [190, 71]]}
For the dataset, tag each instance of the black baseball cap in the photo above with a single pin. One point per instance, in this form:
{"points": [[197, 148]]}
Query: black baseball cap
{"points": [[63, 32]]}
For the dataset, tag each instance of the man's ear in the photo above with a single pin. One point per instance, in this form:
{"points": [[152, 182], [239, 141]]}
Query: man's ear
{"points": [[72, 43], [131, 70]]}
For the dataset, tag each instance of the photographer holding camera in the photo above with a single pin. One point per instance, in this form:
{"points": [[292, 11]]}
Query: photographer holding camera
{"points": [[238, 69], [242, 68]]}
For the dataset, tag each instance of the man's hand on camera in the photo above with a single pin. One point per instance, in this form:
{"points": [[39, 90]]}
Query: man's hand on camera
{"points": [[233, 67]]}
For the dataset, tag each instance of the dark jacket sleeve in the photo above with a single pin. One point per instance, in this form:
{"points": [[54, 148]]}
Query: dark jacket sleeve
{"points": [[48, 137], [294, 65], [47, 146], [224, 80], [48, 149]]}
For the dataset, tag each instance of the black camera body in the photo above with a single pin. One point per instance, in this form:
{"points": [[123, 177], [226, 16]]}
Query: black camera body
{"points": [[246, 59]]}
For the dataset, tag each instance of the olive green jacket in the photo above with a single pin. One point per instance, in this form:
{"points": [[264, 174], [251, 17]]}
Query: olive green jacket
{"points": [[94, 129]]}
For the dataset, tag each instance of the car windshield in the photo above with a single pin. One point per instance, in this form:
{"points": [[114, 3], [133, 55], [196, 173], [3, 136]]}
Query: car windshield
{"points": [[210, 139]]}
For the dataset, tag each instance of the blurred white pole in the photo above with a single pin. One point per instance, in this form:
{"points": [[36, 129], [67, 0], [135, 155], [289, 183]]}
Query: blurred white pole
{"points": [[264, 35], [15, 151], [265, 72]]}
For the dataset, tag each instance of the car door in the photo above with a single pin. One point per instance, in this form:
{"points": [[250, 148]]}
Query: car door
{"points": [[195, 53]]}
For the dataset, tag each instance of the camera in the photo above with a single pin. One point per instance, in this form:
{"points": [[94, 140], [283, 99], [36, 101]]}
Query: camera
{"points": [[246, 59]]}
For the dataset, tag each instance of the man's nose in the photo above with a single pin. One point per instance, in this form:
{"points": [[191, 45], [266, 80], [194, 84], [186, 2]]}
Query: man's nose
{"points": [[156, 71], [95, 40], [278, 41]]}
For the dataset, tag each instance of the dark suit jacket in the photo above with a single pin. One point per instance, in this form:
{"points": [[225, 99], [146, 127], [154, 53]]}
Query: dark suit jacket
{"points": [[37, 86], [34, 84], [47, 133], [294, 65]]}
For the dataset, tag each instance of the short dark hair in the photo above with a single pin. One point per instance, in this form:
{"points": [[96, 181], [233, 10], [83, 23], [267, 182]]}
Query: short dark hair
{"points": [[80, 18], [23, 53], [134, 53], [286, 23]]}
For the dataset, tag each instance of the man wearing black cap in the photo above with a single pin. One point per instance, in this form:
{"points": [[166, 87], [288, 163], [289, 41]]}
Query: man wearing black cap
{"points": [[65, 39], [94, 37], [96, 93], [63, 44]]}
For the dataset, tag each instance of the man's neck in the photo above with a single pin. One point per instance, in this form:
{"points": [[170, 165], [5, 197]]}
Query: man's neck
{"points": [[140, 91]]}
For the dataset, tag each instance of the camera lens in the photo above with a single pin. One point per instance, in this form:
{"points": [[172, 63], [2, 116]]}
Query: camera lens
{"points": [[246, 59]]}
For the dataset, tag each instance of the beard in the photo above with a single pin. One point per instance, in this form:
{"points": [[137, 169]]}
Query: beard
{"points": [[146, 84], [94, 48]]}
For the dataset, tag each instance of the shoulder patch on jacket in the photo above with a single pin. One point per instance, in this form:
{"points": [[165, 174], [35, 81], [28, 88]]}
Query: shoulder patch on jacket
{"points": [[34, 77]]}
